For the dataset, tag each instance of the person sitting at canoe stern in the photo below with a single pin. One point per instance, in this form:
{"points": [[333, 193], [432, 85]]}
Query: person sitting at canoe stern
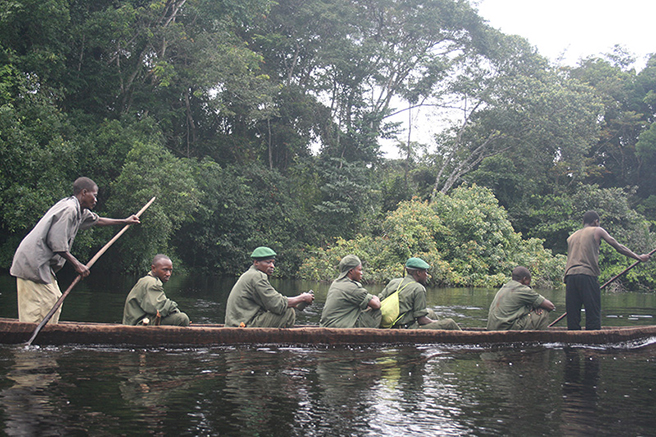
{"points": [[407, 309], [517, 306], [253, 302], [45, 250], [348, 304], [147, 304]]}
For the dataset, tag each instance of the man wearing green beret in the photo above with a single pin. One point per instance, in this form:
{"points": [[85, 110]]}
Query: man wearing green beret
{"points": [[517, 306], [253, 302], [410, 310], [348, 304]]}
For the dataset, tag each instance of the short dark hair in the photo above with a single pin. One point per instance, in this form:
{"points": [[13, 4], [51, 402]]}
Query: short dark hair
{"points": [[590, 217], [83, 183], [520, 273], [160, 256]]}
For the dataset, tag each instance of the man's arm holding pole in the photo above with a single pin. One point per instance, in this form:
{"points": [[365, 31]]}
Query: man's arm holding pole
{"points": [[132, 219]]}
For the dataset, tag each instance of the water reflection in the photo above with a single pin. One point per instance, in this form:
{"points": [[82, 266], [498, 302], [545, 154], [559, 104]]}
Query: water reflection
{"points": [[260, 393], [580, 409], [285, 391], [423, 378], [342, 390], [28, 407]]}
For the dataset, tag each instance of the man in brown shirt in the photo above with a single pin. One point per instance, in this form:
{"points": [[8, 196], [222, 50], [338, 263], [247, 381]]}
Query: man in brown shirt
{"points": [[582, 270]]}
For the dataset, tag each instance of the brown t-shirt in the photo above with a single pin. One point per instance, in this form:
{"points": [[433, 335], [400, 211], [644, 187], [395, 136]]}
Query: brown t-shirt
{"points": [[583, 253]]}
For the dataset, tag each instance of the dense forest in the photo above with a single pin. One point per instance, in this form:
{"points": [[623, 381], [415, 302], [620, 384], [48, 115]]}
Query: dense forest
{"points": [[263, 123]]}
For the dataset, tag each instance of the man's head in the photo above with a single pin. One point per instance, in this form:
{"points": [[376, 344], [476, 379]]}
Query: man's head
{"points": [[350, 266], [521, 275], [86, 192], [264, 259], [162, 267], [418, 269], [590, 217]]}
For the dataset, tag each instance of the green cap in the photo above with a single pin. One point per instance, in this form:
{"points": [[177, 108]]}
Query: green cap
{"points": [[263, 252], [348, 263], [417, 263]]}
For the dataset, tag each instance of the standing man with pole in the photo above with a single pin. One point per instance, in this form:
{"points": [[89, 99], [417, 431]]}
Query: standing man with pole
{"points": [[45, 250], [582, 270]]}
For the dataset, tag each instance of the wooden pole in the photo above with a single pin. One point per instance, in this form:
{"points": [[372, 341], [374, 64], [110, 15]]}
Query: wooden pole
{"points": [[606, 284], [77, 279]]}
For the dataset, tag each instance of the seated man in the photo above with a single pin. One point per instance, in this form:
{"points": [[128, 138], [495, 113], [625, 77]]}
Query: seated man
{"points": [[147, 301], [411, 311], [348, 304], [253, 302], [517, 306]]}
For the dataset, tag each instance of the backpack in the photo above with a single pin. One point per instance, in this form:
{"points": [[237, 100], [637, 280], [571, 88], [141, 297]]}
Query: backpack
{"points": [[389, 308]]}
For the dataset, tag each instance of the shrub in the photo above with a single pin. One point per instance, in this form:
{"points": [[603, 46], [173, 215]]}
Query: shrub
{"points": [[466, 237]]}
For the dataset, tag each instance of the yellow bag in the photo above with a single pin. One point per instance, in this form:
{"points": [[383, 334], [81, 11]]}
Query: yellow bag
{"points": [[389, 308]]}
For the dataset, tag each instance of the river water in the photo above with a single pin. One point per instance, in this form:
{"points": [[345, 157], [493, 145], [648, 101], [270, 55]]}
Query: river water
{"points": [[325, 391]]}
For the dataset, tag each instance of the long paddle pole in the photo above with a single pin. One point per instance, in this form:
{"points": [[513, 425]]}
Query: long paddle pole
{"points": [[79, 277], [606, 284]]}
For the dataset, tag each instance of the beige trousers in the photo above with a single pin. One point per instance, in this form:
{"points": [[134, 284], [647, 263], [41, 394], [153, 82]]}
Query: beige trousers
{"points": [[36, 300]]}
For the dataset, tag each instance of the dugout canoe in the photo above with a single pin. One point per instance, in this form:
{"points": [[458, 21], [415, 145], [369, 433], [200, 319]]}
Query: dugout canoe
{"points": [[14, 332]]}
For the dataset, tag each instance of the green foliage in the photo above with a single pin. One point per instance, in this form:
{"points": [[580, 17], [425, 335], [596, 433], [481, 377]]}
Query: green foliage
{"points": [[466, 237], [346, 196], [150, 170], [38, 160], [242, 209], [279, 109], [556, 217]]}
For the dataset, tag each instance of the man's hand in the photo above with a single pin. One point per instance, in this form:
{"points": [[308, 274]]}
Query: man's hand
{"points": [[308, 297], [644, 257], [81, 269], [132, 220], [301, 301]]}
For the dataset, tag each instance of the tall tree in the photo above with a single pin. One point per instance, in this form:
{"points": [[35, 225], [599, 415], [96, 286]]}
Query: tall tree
{"points": [[358, 57], [517, 104]]}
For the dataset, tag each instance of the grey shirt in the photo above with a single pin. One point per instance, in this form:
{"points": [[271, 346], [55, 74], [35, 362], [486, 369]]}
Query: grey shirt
{"points": [[36, 255]]}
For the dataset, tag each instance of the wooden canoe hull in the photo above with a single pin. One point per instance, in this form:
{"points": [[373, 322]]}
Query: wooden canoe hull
{"points": [[14, 332]]}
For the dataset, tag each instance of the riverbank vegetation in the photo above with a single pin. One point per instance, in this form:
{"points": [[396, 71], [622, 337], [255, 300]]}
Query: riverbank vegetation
{"points": [[264, 123]]}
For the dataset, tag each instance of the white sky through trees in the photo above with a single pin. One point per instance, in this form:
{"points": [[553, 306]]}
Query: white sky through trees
{"points": [[564, 31], [576, 28]]}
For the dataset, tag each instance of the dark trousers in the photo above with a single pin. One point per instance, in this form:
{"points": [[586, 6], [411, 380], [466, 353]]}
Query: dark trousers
{"points": [[583, 290]]}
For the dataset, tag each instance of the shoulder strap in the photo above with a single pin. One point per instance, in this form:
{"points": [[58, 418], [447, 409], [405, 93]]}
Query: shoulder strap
{"points": [[390, 308]]}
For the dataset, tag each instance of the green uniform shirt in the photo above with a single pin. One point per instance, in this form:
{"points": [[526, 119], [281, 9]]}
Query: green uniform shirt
{"points": [[512, 302], [412, 299], [345, 302], [145, 299], [251, 295]]}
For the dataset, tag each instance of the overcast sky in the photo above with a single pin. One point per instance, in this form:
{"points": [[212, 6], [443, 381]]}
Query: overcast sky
{"points": [[565, 30], [576, 28]]}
